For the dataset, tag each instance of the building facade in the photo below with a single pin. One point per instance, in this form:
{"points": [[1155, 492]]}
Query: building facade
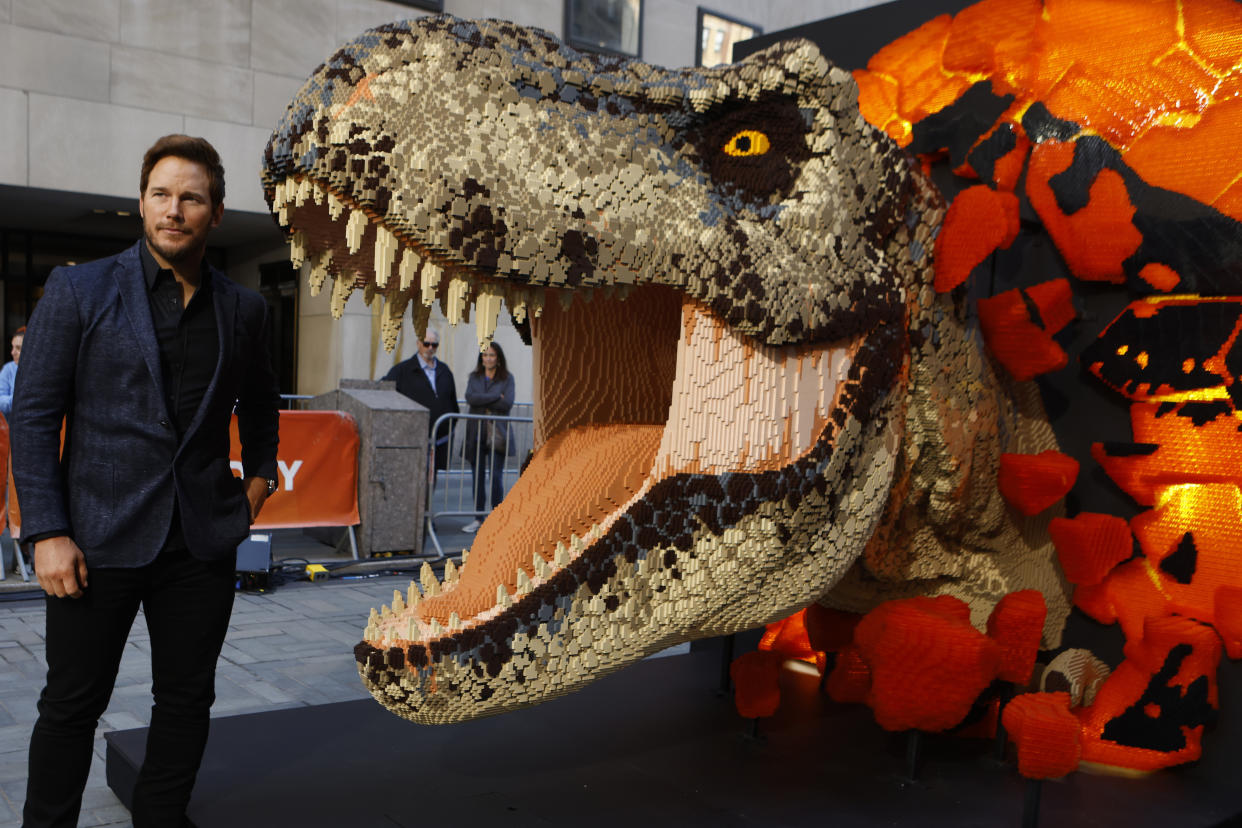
{"points": [[86, 85]]}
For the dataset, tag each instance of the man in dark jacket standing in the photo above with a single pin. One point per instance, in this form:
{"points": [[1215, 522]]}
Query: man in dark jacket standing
{"points": [[143, 356], [429, 382]]}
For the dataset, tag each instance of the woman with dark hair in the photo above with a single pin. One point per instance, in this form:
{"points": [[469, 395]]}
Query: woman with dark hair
{"points": [[489, 390]]}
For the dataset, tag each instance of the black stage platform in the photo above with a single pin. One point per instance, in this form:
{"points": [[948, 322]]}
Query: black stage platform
{"points": [[652, 745]]}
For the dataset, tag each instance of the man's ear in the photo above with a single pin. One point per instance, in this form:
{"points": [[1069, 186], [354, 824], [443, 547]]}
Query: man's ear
{"points": [[217, 213]]}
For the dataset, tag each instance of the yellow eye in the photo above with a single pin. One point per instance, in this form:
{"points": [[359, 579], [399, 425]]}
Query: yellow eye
{"points": [[748, 142]]}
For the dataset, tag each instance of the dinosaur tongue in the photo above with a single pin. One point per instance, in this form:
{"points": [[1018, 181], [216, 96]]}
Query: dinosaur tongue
{"points": [[628, 395], [576, 480]]}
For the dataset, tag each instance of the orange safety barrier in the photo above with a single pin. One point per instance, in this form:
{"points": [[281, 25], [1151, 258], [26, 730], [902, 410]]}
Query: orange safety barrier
{"points": [[317, 471], [6, 473]]}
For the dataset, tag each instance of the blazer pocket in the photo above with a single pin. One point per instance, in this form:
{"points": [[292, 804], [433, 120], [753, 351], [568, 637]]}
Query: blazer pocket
{"points": [[231, 510], [92, 489]]}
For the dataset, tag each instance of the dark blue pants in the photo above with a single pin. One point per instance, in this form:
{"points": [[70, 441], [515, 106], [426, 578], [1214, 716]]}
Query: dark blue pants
{"points": [[187, 603], [480, 463]]}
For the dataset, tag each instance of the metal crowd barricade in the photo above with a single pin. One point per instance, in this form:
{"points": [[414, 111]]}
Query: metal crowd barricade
{"points": [[453, 495]]}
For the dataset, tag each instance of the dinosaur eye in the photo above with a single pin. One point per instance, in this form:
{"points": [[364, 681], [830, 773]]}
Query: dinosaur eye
{"points": [[747, 142]]}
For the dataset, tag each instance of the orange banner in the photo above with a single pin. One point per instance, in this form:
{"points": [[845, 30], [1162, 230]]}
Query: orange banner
{"points": [[317, 471]]}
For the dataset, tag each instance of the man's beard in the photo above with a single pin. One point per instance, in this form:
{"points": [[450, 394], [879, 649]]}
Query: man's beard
{"points": [[188, 253]]}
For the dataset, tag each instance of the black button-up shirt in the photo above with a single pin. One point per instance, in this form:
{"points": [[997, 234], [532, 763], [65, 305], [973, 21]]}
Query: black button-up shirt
{"points": [[189, 350], [188, 339]]}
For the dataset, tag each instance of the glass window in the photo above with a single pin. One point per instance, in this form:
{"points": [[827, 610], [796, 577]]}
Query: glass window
{"points": [[612, 26], [429, 5], [717, 34]]}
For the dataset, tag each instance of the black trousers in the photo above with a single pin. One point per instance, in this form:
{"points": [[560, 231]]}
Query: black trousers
{"points": [[187, 603], [483, 462]]}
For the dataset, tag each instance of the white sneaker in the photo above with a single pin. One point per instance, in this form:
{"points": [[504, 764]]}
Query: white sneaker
{"points": [[471, 527]]}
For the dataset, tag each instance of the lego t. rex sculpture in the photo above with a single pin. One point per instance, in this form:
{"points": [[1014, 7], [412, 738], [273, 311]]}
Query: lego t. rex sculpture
{"points": [[754, 389]]}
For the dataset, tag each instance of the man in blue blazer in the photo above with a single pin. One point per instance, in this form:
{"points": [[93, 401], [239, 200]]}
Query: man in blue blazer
{"points": [[144, 356]]}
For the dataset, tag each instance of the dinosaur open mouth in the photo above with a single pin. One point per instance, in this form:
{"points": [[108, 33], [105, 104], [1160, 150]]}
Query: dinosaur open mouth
{"points": [[635, 384]]}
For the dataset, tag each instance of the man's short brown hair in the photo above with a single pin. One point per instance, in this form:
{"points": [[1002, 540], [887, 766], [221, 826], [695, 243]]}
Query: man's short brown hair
{"points": [[190, 148]]}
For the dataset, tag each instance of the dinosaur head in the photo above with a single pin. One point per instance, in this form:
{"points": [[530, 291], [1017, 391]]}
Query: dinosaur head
{"points": [[715, 269]]}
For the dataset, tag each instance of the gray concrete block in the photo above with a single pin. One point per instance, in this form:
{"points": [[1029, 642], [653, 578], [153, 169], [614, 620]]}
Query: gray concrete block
{"points": [[175, 83], [272, 94], [96, 20], [218, 31], [391, 463], [54, 64], [292, 37], [353, 17], [13, 126]]}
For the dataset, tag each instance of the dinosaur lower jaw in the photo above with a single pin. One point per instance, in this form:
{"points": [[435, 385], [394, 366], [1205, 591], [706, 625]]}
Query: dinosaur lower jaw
{"points": [[754, 496]]}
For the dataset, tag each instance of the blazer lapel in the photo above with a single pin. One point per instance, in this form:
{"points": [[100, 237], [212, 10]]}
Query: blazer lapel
{"points": [[224, 298], [133, 291]]}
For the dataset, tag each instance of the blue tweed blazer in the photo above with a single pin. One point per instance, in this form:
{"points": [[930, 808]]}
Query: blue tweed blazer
{"points": [[90, 356]]}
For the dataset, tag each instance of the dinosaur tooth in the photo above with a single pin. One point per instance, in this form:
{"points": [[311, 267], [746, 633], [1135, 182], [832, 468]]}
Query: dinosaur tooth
{"points": [[374, 618], [297, 249], [385, 252], [454, 622], [562, 557], [355, 229], [408, 268], [434, 629], [450, 572], [457, 301], [335, 206], [502, 597], [420, 314], [319, 271], [318, 193], [541, 566], [465, 553], [487, 309], [431, 281], [370, 632], [342, 287], [428, 579], [394, 315], [412, 596], [384, 611], [534, 302], [303, 190], [398, 604], [523, 582], [411, 631]]}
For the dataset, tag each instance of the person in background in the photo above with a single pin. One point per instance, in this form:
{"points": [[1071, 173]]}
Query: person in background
{"points": [[429, 382], [8, 374], [489, 390]]}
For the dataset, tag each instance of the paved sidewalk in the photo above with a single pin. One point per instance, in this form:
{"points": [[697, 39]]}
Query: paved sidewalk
{"points": [[291, 647]]}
